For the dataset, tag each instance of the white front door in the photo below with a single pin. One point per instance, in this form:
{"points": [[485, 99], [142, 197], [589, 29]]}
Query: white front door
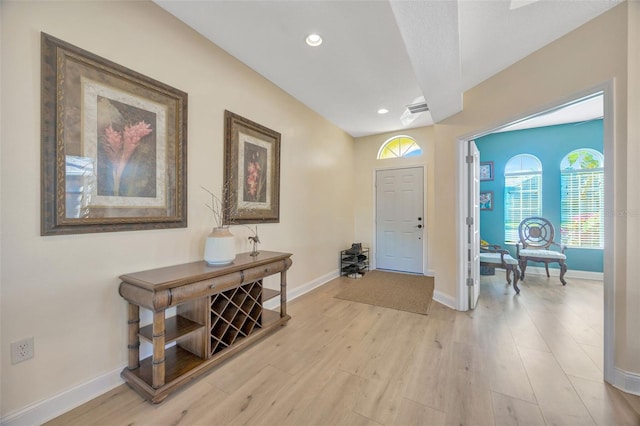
{"points": [[400, 220], [473, 225]]}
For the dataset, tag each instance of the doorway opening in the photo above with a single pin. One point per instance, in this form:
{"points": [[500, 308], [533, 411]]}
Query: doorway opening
{"points": [[465, 250]]}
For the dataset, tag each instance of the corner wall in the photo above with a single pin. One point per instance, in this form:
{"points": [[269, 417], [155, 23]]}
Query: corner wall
{"points": [[63, 290]]}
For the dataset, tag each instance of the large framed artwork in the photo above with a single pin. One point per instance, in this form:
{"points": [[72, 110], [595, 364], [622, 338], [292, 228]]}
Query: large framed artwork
{"points": [[114, 146], [251, 171]]}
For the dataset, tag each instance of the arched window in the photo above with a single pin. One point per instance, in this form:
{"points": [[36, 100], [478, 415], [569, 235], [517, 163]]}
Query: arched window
{"points": [[582, 199], [399, 146], [522, 192]]}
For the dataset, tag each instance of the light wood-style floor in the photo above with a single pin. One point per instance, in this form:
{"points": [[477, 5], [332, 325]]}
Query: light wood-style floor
{"points": [[532, 359]]}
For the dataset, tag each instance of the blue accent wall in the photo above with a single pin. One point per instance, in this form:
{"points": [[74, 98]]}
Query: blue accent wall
{"points": [[550, 144]]}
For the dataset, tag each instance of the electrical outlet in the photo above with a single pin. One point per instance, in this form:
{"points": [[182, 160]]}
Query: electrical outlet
{"points": [[22, 350]]}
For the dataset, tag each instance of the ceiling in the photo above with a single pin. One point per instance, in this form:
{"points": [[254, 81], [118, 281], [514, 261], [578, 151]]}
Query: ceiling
{"points": [[578, 111], [382, 54]]}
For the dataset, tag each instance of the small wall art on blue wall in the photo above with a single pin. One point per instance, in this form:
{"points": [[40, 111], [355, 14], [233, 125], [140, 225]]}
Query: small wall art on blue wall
{"points": [[550, 144]]}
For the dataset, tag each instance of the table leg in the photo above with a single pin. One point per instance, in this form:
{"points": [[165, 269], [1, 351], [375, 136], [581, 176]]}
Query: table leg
{"points": [[133, 328], [158, 365], [283, 293]]}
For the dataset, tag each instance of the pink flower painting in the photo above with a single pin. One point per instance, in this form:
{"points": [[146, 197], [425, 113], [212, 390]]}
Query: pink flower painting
{"points": [[120, 146], [253, 177], [255, 173]]}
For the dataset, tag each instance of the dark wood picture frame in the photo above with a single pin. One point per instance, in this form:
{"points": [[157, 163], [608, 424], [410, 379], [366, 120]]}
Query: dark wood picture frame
{"points": [[113, 146], [251, 172], [486, 170], [486, 200]]}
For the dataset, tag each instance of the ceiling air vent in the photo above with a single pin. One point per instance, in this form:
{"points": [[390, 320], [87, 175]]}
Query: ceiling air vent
{"points": [[419, 107]]}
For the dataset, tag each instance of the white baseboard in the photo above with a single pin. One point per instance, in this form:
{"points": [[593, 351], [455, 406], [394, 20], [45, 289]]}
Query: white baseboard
{"points": [[43, 411], [445, 299], [626, 381], [583, 275], [303, 289]]}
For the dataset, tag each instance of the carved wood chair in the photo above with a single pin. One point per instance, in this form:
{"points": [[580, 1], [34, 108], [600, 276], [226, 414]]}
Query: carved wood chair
{"points": [[536, 238], [495, 256]]}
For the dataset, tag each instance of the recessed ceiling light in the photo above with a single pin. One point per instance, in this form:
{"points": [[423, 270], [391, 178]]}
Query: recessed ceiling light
{"points": [[383, 111], [314, 40]]}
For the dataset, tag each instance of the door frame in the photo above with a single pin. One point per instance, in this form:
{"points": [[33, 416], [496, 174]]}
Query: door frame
{"points": [[373, 249], [607, 89], [472, 160]]}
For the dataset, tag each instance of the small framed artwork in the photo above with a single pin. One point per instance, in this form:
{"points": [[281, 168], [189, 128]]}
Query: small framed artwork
{"points": [[486, 170], [251, 172], [486, 200], [114, 146]]}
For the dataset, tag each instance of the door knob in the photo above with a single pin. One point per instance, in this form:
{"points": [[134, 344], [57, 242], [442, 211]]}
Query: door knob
{"points": [[419, 226], [419, 218]]}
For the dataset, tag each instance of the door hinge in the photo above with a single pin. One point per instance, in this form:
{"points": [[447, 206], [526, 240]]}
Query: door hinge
{"points": [[469, 159], [470, 282], [470, 221]]}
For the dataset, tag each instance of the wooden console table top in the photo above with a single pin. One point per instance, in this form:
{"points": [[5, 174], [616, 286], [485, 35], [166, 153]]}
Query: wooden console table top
{"points": [[179, 275]]}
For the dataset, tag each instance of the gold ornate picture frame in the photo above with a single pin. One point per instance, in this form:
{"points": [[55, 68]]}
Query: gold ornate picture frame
{"points": [[113, 148], [251, 172]]}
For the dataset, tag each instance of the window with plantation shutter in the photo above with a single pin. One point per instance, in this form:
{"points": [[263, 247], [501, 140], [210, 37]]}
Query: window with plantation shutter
{"points": [[523, 192], [582, 199]]}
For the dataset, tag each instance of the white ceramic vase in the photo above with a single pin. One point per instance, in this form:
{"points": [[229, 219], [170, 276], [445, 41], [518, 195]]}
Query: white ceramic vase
{"points": [[220, 248]]}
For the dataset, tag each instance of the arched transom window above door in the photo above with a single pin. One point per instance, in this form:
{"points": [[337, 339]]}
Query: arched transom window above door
{"points": [[398, 147]]}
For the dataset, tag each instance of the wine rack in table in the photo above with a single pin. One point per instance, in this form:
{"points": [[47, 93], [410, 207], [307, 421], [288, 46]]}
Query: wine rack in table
{"points": [[234, 314], [219, 311]]}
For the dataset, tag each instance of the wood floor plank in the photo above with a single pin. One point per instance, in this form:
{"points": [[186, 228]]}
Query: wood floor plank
{"points": [[595, 353], [248, 400], [391, 360], [507, 374], [512, 411], [380, 399], [98, 409], [371, 347], [334, 403], [632, 400], [427, 375], [559, 402], [183, 407], [289, 404], [567, 351], [605, 404], [468, 403], [411, 413]]}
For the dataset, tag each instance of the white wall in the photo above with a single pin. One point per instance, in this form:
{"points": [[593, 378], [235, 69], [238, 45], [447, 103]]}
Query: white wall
{"points": [[630, 298], [62, 290]]}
